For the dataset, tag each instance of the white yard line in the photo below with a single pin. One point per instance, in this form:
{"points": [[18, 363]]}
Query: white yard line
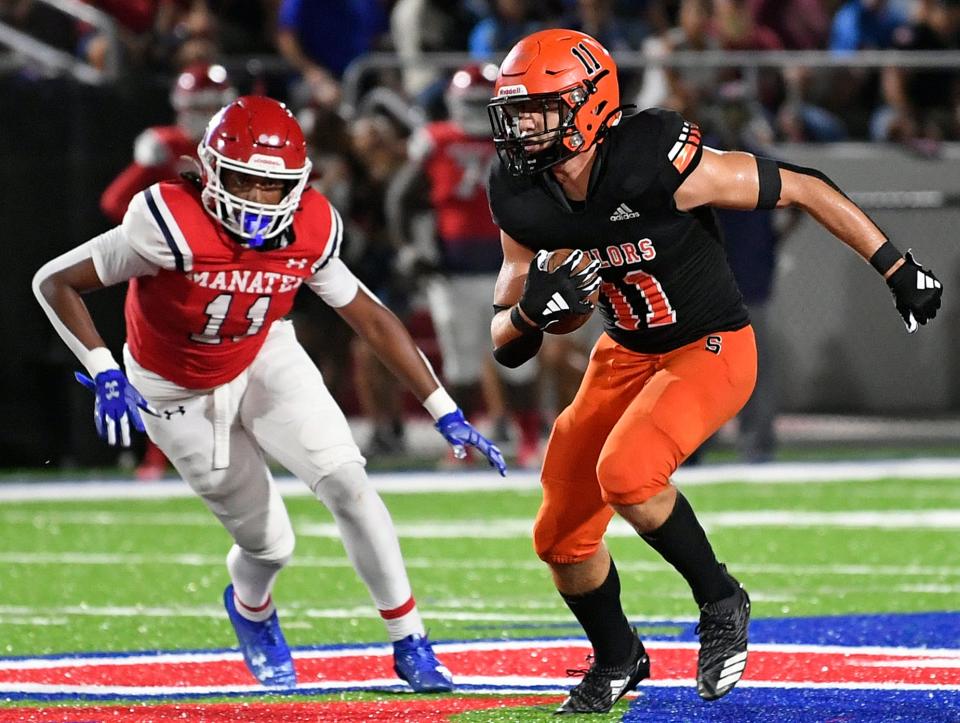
{"points": [[415, 482], [194, 560]]}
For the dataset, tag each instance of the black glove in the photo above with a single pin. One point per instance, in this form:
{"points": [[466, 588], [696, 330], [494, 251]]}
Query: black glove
{"points": [[548, 294], [916, 293]]}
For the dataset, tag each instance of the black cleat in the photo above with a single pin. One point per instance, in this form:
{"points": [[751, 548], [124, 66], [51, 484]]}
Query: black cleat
{"points": [[601, 687], [723, 643]]}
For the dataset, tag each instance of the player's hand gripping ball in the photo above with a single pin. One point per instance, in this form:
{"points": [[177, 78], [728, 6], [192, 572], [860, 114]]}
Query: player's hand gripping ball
{"points": [[571, 320]]}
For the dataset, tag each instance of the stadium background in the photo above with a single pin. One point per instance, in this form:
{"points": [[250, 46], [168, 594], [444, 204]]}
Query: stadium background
{"points": [[67, 128]]}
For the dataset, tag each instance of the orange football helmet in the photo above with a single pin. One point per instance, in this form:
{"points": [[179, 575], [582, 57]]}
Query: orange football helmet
{"points": [[554, 72]]}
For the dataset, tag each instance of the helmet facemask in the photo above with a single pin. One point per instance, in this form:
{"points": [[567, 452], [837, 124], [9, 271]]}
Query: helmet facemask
{"points": [[526, 154], [252, 221]]}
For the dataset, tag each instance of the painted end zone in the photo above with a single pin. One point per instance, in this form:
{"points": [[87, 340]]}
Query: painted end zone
{"points": [[422, 709], [805, 679]]}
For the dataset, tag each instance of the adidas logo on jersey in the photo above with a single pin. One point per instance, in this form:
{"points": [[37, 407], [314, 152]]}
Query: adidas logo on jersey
{"points": [[556, 303], [623, 213]]}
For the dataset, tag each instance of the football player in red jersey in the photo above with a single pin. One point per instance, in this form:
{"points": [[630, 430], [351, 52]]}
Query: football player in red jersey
{"points": [[158, 155], [453, 157], [213, 267], [677, 358], [200, 91]]}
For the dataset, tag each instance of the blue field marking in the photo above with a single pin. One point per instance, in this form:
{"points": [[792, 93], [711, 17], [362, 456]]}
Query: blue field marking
{"points": [[789, 705], [910, 630]]}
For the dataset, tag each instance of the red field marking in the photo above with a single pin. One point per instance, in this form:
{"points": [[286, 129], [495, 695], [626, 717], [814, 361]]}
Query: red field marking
{"points": [[485, 665], [421, 709]]}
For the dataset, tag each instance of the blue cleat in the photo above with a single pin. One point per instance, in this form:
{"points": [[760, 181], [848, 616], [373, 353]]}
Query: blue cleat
{"points": [[264, 649], [415, 662]]}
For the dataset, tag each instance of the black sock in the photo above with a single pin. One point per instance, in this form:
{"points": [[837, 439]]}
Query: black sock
{"points": [[601, 616], [682, 542]]}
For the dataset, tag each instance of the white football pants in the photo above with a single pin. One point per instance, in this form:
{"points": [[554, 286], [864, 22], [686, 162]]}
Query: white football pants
{"points": [[216, 439]]}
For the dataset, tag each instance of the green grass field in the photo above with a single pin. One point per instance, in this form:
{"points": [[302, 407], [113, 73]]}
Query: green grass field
{"points": [[148, 574]]}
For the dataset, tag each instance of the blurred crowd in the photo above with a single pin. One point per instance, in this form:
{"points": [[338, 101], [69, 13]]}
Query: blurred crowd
{"points": [[405, 160]]}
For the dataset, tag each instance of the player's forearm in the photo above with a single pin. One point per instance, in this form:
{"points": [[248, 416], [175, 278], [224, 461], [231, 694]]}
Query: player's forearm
{"points": [[513, 346], [394, 346], [61, 301], [834, 211]]}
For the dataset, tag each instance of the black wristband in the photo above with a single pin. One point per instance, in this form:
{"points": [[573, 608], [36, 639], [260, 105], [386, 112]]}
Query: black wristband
{"points": [[521, 324], [885, 257]]}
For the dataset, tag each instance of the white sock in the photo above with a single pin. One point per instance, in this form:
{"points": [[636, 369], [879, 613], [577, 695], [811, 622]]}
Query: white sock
{"points": [[252, 583], [371, 543], [403, 621]]}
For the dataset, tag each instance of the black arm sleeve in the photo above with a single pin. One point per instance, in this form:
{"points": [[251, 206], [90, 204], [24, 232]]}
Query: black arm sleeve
{"points": [[768, 175], [519, 350]]}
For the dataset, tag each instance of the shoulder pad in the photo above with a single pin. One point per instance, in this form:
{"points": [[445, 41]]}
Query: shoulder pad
{"points": [[150, 150], [422, 143], [153, 231], [323, 224]]}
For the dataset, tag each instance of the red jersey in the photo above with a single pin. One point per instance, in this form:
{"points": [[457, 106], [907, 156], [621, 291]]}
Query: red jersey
{"points": [[156, 157], [201, 320], [457, 165]]}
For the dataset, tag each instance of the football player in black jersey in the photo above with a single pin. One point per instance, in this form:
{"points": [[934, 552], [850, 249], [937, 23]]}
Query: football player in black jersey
{"points": [[677, 359]]}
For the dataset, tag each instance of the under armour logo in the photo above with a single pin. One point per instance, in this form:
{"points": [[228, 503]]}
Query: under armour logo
{"points": [[111, 390], [168, 413], [926, 282], [299, 263], [556, 303]]}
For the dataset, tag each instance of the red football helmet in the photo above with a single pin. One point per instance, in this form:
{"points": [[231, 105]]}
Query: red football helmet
{"points": [[200, 91], [467, 96], [556, 73], [260, 137]]}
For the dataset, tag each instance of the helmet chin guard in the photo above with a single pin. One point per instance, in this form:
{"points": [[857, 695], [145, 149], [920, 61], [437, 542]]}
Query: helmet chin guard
{"points": [[258, 137]]}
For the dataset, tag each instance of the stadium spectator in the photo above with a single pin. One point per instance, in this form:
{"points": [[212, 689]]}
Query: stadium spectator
{"points": [[864, 25], [598, 19], [922, 105], [163, 34], [320, 38], [799, 24], [738, 29], [214, 266], [677, 359], [426, 26], [505, 23], [453, 158]]}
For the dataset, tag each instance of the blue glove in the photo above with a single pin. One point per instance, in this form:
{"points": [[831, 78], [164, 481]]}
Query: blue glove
{"points": [[117, 403], [459, 432]]}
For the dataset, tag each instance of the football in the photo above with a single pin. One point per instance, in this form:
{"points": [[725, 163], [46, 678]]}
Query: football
{"points": [[569, 321]]}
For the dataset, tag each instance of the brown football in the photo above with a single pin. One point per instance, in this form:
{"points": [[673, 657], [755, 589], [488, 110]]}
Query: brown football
{"points": [[568, 320]]}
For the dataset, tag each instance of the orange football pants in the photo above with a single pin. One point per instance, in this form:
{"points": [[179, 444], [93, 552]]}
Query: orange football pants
{"points": [[635, 418]]}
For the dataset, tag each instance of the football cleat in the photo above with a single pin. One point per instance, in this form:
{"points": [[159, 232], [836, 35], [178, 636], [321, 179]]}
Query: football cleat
{"points": [[723, 643], [601, 687], [264, 649], [415, 662]]}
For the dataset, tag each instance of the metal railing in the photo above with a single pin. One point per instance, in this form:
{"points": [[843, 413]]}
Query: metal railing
{"points": [[354, 75], [54, 61]]}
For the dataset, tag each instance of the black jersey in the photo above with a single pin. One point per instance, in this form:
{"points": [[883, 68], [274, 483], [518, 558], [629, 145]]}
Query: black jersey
{"points": [[666, 280]]}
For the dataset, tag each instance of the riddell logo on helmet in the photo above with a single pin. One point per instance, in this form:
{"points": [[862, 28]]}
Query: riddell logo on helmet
{"points": [[512, 90], [267, 162]]}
